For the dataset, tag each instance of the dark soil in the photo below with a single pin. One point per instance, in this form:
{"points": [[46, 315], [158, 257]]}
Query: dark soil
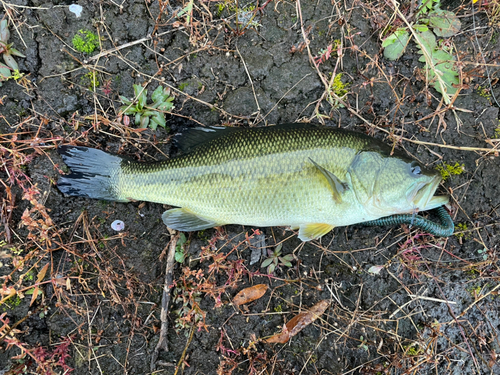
{"points": [[433, 308]]}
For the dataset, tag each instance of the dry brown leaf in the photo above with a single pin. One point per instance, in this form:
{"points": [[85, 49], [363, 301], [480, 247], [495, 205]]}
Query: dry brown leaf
{"points": [[250, 294], [34, 295], [299, 322], [42, 273], [39, 278]]}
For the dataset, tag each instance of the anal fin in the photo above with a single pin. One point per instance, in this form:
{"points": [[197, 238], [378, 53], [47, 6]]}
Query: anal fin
{"points": [[184, 220], [308, 232]]}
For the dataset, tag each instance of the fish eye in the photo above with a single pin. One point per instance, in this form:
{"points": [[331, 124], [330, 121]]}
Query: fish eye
{"points": [[415, 169]]}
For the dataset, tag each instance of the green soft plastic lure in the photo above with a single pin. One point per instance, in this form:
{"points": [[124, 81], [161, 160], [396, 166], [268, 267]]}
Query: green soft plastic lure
{"points": [[311, 178]]}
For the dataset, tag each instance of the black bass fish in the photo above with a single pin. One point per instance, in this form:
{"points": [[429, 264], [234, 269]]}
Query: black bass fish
{"points": [[310, 178]]}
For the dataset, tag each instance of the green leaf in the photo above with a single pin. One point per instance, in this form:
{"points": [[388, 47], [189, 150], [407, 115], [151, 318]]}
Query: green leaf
{"points": [[4, 72], [186, 9], [148, 113], [428, 5], [142, 99], [391, 39], [395, 44], [180, 256], [30, 291], [420, 28], [266, 262], [15, 52], [124, 100], [140, 95], [10, 61], [445, 67], [165, 106], [4, 31], [144, 122], [137, 90], [271, 268], [159, 119], [440, 65], [426, 42], [127, 110], [285, 262], [444, 23], [158, 95], [182, 240]]}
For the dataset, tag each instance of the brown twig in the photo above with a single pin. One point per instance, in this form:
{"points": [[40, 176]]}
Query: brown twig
{"points": [[130, 44], [162, 342], [181, 360]]}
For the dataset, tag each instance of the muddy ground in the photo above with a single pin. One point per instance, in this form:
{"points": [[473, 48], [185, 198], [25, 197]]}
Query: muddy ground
{"points": [[432, 307]]}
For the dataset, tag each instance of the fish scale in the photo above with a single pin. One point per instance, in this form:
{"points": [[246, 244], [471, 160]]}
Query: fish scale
{"points": [[299, 175], [241, 177]]}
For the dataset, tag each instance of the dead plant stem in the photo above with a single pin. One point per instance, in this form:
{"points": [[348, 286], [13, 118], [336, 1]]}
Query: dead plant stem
{"points": [[250, 79], [162, 342], [130, 44], [181, 360]]}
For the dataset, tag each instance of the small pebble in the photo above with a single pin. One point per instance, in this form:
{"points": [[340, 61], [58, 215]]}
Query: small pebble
{"points": [[118, 225], [76, 9]]}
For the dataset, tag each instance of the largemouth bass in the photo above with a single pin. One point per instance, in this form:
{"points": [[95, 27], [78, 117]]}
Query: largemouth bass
{"points": [[310, 178]]}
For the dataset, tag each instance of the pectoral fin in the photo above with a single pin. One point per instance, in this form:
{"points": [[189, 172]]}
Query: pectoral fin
{"points": [[186, 221], [308, 232], [336, 185]]}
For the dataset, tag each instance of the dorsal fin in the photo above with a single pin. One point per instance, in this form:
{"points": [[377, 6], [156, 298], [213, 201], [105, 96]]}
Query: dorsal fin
{"points": [[189, 139]]}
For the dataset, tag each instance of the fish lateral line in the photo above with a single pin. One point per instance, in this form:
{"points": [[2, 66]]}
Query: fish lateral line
{"points": [[262, 177]]}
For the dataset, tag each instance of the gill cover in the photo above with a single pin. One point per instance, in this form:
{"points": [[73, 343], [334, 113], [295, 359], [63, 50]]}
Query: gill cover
{"points": [[387, 185]]}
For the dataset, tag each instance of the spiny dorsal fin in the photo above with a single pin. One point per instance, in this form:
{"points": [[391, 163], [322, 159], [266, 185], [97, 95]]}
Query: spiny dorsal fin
{"points": [[338, 187], [191, 138], [186, 221], [308, 232]]}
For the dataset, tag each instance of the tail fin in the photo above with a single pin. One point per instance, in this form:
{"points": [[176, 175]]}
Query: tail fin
{"points": [[93, 173]]}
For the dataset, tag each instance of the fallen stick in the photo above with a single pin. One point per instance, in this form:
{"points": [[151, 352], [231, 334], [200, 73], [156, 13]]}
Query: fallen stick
{"points": [[165, 301]]}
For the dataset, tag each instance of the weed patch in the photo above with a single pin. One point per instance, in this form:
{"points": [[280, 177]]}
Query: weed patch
{"points": [[152, 115], [440, 68]]}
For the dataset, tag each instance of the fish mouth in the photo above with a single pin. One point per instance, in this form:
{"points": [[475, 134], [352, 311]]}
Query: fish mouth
{"points": [[424, 198]]}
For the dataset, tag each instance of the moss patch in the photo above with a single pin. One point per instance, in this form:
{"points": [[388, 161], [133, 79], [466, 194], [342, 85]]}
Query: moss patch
{"points": [[448, 170], [85, 41]]}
